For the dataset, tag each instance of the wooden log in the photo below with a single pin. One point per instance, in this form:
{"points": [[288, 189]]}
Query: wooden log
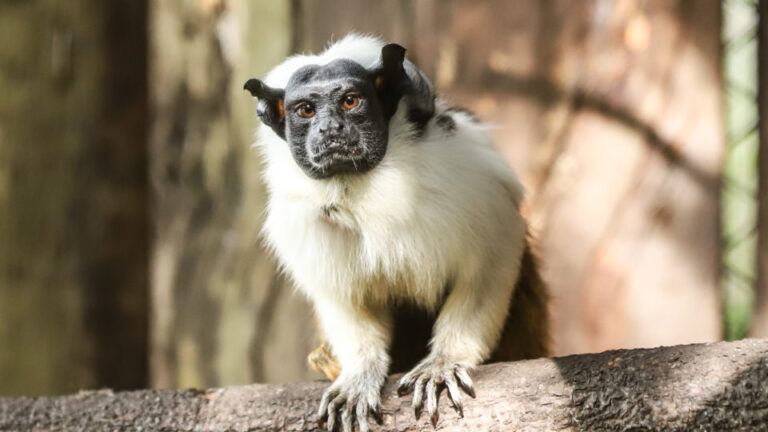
{"points": [[720, 386]]}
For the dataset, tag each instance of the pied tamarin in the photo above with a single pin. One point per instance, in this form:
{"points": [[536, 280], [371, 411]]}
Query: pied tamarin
{"points": [[396, 217]]}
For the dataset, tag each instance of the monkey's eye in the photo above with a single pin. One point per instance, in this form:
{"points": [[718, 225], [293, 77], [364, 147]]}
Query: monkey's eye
{"points": [[307, 110], [350, 101]]}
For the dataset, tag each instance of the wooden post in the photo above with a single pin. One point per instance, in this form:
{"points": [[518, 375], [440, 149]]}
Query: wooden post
{"points": [[73, 196], [220, 315]]}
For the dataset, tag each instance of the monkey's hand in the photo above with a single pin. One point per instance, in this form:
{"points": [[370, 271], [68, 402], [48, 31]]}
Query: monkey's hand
{"points": [[427, 380], [349, 400]]}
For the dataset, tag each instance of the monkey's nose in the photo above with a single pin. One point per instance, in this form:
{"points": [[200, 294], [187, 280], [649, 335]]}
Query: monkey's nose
{"points": [[331, 127]]}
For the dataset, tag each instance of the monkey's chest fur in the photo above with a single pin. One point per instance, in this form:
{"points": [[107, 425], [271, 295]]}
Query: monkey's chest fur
{"points": [[361, 243], [525, 334]]}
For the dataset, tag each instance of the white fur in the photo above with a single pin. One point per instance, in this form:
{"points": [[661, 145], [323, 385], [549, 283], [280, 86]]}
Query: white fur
{"points": [[439, 208]]}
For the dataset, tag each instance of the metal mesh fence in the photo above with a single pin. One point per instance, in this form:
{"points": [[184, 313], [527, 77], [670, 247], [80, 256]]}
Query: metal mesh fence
{"points": [[740, 176]]}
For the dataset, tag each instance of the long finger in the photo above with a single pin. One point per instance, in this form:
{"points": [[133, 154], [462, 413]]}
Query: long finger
{"points": [[361, 414], [405, 385], [454, 395], [322, 412], [347, 418], [431, 390], [333, 412], [375, 411], [464, 380], [418, 396]]}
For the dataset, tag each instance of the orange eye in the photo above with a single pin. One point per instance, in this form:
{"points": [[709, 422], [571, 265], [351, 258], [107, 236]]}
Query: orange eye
{"points": [[350, 101], [307, 110]]}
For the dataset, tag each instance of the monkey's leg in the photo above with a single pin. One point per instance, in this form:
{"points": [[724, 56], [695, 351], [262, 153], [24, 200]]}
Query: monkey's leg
{"points": [[359, 337], [322, 360], [467, 328]]}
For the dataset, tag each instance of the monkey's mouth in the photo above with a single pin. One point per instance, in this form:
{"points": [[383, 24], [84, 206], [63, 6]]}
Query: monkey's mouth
{"points": [[337, 152], [347, 159], [340, 156]]}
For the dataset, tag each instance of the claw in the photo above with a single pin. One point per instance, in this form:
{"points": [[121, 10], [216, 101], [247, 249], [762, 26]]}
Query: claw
{"points": [[376, 414], [347, 420], [454, 395], [464, 380], [333, 411], [405, 385], [459, 409], [432, 395], [362, 425], [321, 418], [361, 414], [349, 402], [427, 381], [418, 397], [435, 417], [322, 412]]}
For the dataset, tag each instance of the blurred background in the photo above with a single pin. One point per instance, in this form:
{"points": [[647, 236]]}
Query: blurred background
{"points": [[130, 199]]}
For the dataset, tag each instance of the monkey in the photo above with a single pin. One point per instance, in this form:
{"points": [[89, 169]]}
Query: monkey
{"points": [[392, 212]]}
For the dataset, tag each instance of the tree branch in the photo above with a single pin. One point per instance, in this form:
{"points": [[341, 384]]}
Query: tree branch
{"points": [[720, 386]]}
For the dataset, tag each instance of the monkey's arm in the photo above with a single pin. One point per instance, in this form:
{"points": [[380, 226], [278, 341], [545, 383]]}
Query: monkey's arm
{"points": [[359, 337], [467, 328]]}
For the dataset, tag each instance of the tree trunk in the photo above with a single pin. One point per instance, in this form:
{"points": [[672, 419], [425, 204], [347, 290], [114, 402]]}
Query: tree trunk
{"points": [[717, 387], [73, 224], [219, 314]]}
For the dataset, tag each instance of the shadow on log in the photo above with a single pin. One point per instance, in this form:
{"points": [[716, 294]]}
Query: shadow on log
{"points": [[720, 386]]}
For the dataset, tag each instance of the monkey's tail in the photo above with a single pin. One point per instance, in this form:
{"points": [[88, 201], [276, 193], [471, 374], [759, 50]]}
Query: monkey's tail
{"points": [[526, 331]]}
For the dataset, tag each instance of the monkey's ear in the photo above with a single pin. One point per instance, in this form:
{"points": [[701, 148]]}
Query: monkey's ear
{"points": [[392, 58], [271, 106], [389, 77], [395, 77]]}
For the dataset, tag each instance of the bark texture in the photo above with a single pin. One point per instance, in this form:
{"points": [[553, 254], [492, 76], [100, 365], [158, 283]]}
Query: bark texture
{"points": [[714, 387]]}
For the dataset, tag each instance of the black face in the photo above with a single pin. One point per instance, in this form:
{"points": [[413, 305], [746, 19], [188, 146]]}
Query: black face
{"points": [[334, 120], [335, 117]]}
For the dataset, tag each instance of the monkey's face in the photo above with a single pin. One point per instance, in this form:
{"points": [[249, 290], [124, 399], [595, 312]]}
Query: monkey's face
{"points": [[334, 119]]}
